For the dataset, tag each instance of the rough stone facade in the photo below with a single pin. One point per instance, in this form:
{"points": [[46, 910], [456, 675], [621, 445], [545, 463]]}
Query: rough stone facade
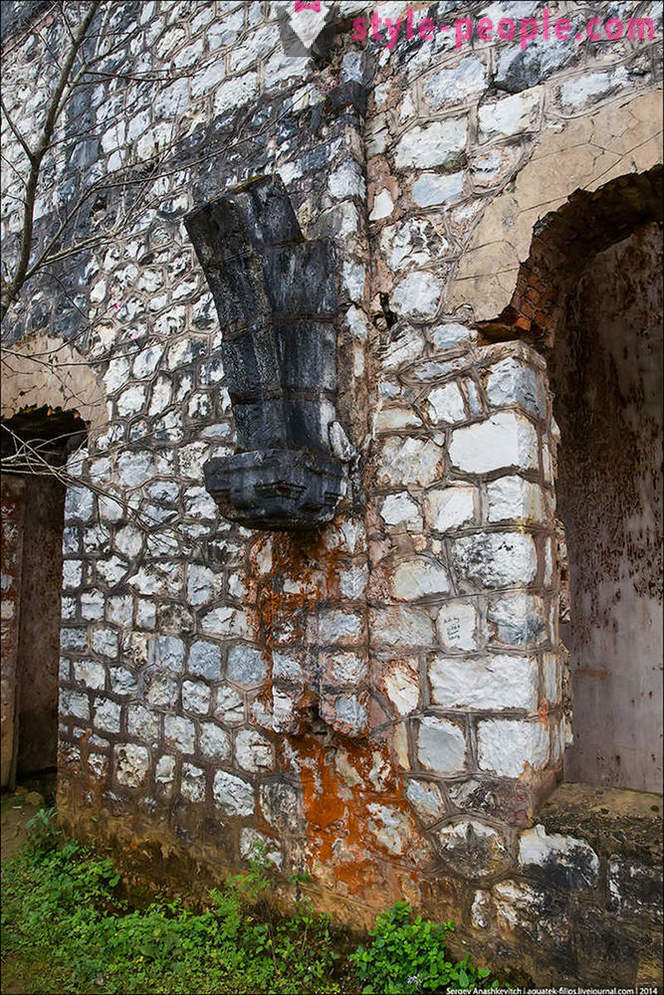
{"points": [[382, 700]]}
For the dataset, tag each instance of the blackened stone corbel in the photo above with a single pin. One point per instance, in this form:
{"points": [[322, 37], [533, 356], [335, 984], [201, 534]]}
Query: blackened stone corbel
{"points": [[275, 295]]}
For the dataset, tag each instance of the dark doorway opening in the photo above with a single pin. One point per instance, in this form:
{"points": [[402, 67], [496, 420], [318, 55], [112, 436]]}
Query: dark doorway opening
{"points": [[606, 374], [35, 446]]}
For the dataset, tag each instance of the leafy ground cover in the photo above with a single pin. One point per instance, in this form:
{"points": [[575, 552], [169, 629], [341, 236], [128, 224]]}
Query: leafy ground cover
{"points": [[67, 928]]}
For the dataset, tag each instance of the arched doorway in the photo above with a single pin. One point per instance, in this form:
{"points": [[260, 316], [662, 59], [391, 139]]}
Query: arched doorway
{"points": [[606, 375], [35, 443], [589, 297]]}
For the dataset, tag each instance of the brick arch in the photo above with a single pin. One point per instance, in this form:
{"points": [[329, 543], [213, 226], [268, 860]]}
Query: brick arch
{"points": [[563, 242]]}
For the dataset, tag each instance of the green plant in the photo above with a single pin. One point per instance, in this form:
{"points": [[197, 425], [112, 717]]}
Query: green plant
{"points": [[410, 955], [43, 831]]}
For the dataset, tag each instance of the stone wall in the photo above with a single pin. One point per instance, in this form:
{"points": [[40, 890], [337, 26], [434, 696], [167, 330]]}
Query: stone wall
{"points": [[382, 701]]}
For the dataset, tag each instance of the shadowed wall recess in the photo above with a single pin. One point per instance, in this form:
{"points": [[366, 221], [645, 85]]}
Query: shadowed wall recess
{"points": [[275, 295]]}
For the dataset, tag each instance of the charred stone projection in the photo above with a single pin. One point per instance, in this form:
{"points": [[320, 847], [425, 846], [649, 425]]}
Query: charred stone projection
{"points": [[361, 545], [276, 299]]}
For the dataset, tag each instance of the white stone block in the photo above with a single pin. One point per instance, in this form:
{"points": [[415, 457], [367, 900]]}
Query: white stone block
{"points": [[417, 295], [399, 626], [445, 404], [508, 746], [233, 794], [441, 745], [457, 624], [131, 764], [506, 439], [400, 509], [517, 500], [509, 116], [492, 682], [215, 743], [495, 559], [195, 697], [419, 577], [574, 862], [449, 508], [179, 733], [440, 143], [253, 751]]}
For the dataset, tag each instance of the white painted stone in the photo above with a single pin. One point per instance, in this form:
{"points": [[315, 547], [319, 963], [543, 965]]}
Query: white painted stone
{"points": [[383, 205], [504, 440], [449, 508], [431, 189], [179, 733], [510, 115], [72, 573], [105, 642], [426, 799], [400, 509], [445, 404], [131, 401], [200, 584], [131, 764], [437, 144], [107, 714], [343, 668], [161, 691], [417, 295], [492, 682], [578, 92], [92, 605], [135, 468], [514, 499], [143, 724], [409, 461], [573, 859], [347, 181], [519, 619], [392, 829], [509, 746], [235, 92], [79, 503], [230, 705], [419, 578], [495, 559], [215, 743], [90, 673], [195, 697], [414, 242], [74, 705], [253, 751], [480, 910], [233, 794], [449, 86], [166, 653], [246, 665], [226, 622], [513, 382], [335, 625], [399, 626], [457, 623], [402, 683], [129, 541], [165, 770], [441, 745]]}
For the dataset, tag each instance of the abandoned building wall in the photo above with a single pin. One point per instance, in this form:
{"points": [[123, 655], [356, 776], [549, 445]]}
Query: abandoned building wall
{"points": [[382, 702]]}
